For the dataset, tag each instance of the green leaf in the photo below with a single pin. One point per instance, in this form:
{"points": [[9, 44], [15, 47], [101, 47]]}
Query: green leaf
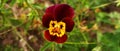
{"points": [[97, 48], [38, 6], [99, 36], [110, 41], [118, 2], [68, 47], [8, 48], [2, 3], [47, 45], [31, 1], [15, 22], [31, 15], [60, 45], [12, 2], [27, 26], [90, 25]]}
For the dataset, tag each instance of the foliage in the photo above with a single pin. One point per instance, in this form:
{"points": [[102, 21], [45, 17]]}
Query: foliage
{"points": [[96, 26]]}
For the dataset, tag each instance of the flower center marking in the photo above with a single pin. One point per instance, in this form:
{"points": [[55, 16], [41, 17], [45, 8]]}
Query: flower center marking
{"points": [[57, 28]]}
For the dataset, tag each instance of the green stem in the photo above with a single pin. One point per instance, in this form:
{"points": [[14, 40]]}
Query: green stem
{"points": [[53, 47], [18, 34], [36, 13], [86, 41], [103, 5], [3, 2], [78, 43], [31, 7], [78, 21]]}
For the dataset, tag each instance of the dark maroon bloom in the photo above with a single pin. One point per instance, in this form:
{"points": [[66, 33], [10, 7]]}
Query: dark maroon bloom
{"points": [[58, 20]]}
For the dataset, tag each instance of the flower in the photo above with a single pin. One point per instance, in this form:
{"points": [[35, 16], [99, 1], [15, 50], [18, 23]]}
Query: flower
{"points": [[58, 20]]}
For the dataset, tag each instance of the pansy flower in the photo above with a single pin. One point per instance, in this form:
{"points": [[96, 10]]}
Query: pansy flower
{"points": [[59, 20]]}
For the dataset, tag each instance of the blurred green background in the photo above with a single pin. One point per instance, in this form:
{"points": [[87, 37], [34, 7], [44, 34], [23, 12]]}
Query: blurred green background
{"points": [[97, 26]]}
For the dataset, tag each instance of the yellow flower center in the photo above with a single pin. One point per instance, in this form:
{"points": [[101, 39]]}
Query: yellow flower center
{"points": [[57, 28]]}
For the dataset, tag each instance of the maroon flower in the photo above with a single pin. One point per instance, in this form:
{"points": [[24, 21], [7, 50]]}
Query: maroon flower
{"points": [[58, 20]]}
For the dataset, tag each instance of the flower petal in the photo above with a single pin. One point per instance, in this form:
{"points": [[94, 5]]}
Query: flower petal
{"points": [[69, 23], [49, 37], [63, 10], [50, 10], [46, 20], [61, 39]]}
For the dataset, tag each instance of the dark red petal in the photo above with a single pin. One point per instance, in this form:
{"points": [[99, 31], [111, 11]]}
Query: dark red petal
{"points": [[61, 39], [63, 10], [69, 23], [46, 20], [50, 10], [49, 37]]}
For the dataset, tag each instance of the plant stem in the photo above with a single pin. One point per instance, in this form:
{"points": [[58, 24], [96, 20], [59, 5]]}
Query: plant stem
{"points": [[18, 34], [86, 41], [78, 43], [53, 47], [103, 5]]}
